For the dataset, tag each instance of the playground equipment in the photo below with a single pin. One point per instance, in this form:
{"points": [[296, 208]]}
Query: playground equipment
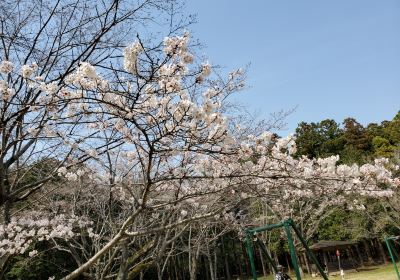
{"points": [[389, 243], [287, 225]]}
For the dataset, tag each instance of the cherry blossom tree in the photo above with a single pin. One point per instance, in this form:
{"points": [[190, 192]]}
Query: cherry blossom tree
{"points": [[165, 146], [42, 42], [148, 149]]}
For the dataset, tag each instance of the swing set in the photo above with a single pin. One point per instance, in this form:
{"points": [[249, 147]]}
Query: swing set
{"points": [[390, 242], [288, 226]]}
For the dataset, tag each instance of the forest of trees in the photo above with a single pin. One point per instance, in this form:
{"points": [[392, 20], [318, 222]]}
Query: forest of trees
{"points": [[354, 143]]}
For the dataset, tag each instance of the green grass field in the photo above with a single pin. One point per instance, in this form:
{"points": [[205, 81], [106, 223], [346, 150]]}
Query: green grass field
{"points": [[386, 272]]}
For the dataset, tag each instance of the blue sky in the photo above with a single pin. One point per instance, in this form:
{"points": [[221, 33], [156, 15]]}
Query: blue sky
{"points": [[331, 59]]}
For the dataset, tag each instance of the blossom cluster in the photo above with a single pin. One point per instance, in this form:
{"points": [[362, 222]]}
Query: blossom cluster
{"points": [[18, 236], [131, 54]]}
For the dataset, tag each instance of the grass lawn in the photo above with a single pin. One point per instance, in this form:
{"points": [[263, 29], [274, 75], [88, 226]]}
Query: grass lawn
{"points": [[386, 272]]}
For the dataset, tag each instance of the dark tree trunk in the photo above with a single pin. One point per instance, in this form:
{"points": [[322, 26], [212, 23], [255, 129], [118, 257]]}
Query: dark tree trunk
{"points": [[325, 261], [247, 261], [123, 269], [207, 269], [360, 256], [368, 251], [262, 262], [239, 269], [288, 263], [382, 252], [307, 263], [225, 253]]}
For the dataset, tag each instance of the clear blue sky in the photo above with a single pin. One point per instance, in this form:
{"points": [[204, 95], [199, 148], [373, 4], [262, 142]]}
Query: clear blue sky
{"points": [[332, 59]]}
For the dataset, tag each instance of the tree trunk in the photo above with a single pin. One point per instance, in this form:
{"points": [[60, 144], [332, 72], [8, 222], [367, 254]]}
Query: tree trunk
{"points": [[159, 271], [262, 263], [288, 263], [360, 256], [225, 253], [382, 252], [239, 268], [111, 244], [247, 261], [307, 263], [325, 261], [3, 265], [123, 269], [181, 264], [138, 269], [211, 266], [367, 251], [193, 268], [193, 257], [276, 258], [6, 212], [207, 269], [77, 272], [215, 265]]}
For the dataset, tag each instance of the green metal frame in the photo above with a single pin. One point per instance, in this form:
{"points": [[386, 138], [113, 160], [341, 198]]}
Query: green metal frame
{"points": [[393, 253], [287, 225]]}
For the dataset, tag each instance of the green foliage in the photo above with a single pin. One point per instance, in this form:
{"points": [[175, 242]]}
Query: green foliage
{"points": [[331, 228], [321, 139], [49, 262], [342, 224], [386, 138], [354, 143], [382, 147], [38, 171], [356, 135]]}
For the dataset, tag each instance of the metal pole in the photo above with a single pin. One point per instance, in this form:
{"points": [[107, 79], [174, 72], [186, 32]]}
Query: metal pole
{"points": [[309, 252], [292, 250], [249, 248], [396, 256], [265, 251], [391, 256], [267, 227], [340, 267]]}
